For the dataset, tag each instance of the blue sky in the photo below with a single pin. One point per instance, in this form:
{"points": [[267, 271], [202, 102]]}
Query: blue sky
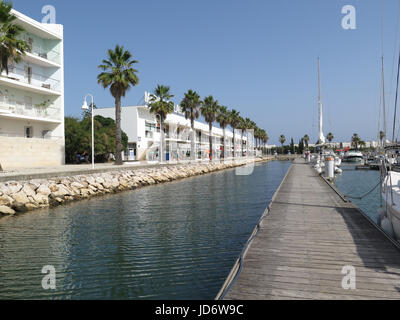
{"points": [[257, 56]]}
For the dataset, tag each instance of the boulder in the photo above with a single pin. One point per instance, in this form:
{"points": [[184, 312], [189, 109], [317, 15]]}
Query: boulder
{"points": [[31, 206], [6, 210], [62, 191], [40, 198], [6, 200], [77, 185], [14, 187], [20, 197], [44, 190], [28, 189]]}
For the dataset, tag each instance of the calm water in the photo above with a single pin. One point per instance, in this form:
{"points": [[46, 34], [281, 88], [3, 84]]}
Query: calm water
{"points": [[358, 183], [172, 241]]}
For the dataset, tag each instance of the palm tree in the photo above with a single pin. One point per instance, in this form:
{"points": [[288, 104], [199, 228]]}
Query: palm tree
{"points": [[282, 140], [190, 107], [209, 111], [264, 137], [382, 135], [306, 138], [118, 74], [355, 140], [245, 124], [223, 120], [234, 121], [160, 105], [257, 136], [12, 48], [330, 137]]}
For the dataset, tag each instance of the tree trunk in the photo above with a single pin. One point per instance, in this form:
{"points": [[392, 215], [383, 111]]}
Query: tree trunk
{"points": [[193, 142], [234, 149], [162, 144], [223, 145], [241, 143], [210, 140], [118, 138]]}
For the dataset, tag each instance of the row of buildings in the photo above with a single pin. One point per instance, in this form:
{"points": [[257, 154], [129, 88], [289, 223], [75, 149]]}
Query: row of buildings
{"points": [[144, 136]]}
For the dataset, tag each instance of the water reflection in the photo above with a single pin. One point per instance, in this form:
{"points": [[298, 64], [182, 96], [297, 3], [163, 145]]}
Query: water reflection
{"points": [[172, 241]]}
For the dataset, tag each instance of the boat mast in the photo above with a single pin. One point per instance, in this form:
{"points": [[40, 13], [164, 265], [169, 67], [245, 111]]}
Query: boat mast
{"points": [[383, 102], [321, 138], [395, 104]]}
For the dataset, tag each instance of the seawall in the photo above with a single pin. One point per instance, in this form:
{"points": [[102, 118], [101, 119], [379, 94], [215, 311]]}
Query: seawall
{"points": [[23, 196]]}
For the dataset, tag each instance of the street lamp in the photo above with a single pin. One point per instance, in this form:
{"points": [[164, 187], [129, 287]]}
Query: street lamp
{"points": [[86, 108]]}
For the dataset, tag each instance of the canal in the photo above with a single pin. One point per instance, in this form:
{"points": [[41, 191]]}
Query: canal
{"points": [[172, 241]]}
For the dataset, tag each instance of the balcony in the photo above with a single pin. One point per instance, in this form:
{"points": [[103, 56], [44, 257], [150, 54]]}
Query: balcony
{"points": [[49, 59], [31, 81], [17, 109]]}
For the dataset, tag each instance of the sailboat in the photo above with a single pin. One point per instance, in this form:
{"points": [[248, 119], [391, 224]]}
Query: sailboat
{"points": [[389, 214], [320, 159]]}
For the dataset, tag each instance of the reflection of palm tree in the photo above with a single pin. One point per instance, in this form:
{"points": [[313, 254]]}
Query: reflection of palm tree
{"points": [[160, 104], [119, 75]]}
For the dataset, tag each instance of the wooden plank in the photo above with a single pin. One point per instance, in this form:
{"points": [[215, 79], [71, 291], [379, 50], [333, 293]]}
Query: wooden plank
{"points": [[309, 236]]}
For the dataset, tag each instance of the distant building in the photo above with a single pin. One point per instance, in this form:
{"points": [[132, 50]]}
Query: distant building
{"points": [[32, 100], [143, 131]]}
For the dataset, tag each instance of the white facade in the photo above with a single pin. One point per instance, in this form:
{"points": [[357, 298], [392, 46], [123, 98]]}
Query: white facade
{"points": [[143, 131], [32, 100]]}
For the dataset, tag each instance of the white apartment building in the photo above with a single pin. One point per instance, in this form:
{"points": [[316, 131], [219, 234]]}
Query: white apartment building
{"points": [[143, 131], [32, 100]]}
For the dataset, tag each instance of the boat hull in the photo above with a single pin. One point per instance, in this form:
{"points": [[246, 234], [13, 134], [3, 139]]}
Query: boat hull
{"points": [[353, 159]]}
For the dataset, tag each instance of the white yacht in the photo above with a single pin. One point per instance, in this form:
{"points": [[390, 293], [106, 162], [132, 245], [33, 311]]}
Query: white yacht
{"points": [[353, 156], [389, 214]]}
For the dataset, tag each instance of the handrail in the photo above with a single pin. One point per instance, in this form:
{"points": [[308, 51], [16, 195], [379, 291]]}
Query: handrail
{"points": [[23, 108], [45, 80]]}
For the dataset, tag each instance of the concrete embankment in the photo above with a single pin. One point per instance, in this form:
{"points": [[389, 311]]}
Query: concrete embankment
{"points": [[23, 196]]}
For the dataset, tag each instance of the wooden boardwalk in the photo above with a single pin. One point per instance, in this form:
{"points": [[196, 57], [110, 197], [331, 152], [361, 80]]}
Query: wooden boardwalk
{"points": [[309, 236]]}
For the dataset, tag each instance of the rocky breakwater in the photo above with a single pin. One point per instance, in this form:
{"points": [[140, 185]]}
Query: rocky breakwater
{"points": [[19, 197]]}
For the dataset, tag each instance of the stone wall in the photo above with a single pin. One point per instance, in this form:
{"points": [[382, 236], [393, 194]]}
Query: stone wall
{"points": [[28, 153], [34, 194]]}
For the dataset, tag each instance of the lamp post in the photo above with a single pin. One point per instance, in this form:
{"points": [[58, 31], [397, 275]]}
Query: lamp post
{"points": [[86, 108], [161, 139]]}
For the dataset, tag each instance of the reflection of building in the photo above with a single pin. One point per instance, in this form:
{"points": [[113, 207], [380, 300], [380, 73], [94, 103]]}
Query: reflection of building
{"points": [[143, 132], [32, 100]]}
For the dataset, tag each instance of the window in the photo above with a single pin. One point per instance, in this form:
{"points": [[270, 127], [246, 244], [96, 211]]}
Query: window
{"points": [[150, 126], [28, 132]]}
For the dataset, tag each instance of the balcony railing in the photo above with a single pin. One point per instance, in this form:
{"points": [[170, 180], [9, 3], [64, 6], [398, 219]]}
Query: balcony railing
{"points": [[51, 55], [44, 137], [35, 79], [9, 106]]}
